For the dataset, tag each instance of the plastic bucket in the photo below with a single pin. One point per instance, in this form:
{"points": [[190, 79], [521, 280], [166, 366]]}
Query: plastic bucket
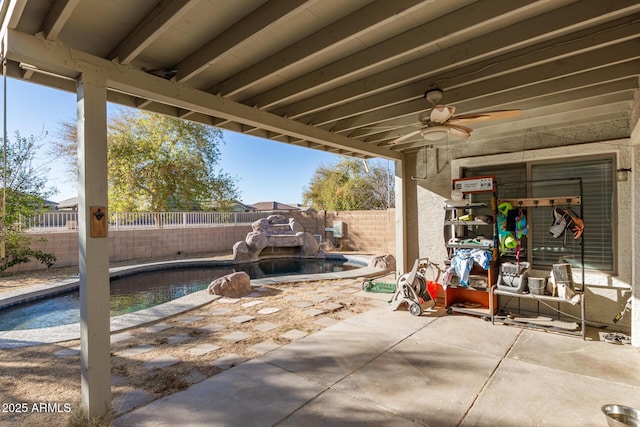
{"points": [[432, 288], [537, 285]]}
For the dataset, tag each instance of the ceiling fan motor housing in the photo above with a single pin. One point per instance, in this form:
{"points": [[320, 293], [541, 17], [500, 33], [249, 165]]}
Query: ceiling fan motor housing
{"points": [[433, 96]]}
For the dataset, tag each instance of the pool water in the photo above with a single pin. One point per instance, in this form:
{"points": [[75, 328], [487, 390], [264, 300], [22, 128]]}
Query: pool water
{"points": [[135, 292]]}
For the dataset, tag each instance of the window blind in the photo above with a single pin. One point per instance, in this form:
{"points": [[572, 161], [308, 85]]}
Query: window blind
{"points": [[597, 208], [552, 179]]}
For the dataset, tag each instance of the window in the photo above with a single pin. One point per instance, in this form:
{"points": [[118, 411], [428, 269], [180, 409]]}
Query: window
{"points": [[562, 178]]}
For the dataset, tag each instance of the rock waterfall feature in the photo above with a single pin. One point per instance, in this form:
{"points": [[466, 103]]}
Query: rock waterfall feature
{"points": [[275, 235]]}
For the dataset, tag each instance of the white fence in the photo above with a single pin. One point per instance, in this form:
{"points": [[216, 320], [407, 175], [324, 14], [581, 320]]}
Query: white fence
{"points": [[58, 220]]}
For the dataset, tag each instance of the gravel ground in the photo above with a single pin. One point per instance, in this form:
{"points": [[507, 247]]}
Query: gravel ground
{"points": [[40, 385]]}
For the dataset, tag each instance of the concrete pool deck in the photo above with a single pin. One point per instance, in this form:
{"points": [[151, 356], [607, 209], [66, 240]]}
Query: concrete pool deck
{"points": [[386, 367], [29, 337]]}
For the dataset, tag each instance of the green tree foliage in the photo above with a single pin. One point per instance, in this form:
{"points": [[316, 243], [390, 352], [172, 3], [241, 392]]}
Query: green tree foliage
{"points": [[158, 163], [349, 186], [66, 146], [26, 191]]}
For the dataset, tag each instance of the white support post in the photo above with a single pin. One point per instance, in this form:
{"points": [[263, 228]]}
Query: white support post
{"points": [[635, 224], [401, 229], [635, 265], [95, 359]]}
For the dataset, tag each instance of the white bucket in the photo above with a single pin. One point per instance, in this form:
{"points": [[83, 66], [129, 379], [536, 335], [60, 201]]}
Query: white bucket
{"points": [[537, 285]]}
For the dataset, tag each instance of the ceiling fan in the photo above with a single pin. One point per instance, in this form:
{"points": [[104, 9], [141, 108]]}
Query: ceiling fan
{"points": [[440, 120]]}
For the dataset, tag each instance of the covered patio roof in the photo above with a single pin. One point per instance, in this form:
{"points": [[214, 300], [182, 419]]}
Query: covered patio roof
{"points": [[343, 76], [346, 77]]}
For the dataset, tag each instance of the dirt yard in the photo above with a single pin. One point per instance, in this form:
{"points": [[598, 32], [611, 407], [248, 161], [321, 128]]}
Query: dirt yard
{"points": [[40, 385]]}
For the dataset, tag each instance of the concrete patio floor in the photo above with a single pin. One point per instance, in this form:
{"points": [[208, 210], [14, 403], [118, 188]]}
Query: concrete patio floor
{"points": [[386, 368]]}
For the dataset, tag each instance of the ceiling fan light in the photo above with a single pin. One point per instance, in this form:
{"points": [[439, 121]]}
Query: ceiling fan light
{"points": [[435, 133]]}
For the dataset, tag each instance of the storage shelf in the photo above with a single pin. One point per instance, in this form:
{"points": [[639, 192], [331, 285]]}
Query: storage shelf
{"points": [[471, 288], [466, 206], [532, 323], [485, 313], [550, 302], [534, 296], [458, 222], [544, 201], [468, 246], [460, 234]]}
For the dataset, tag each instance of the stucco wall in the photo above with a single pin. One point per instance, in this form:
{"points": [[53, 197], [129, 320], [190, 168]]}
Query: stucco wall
{"points": [[606, 293]]}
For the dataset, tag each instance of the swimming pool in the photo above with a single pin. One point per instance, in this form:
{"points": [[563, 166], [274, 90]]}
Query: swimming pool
{"points": [[136, 291]]}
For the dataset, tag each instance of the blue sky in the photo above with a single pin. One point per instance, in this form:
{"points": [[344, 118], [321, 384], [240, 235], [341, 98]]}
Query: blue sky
{"points": [[265, 170]]}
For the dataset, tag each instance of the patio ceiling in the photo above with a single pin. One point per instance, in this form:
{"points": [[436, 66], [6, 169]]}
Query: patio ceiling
{"points": [[343, 76]]}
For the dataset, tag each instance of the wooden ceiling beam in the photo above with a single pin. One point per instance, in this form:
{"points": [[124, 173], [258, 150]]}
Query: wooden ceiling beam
{"points": [[57, 58], [165, 14], [237, 34]]}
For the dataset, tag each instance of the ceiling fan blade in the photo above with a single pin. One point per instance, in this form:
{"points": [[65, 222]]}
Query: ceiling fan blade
{"points": [[458, 131], [485, 116], [441, 113], [405, 137]]}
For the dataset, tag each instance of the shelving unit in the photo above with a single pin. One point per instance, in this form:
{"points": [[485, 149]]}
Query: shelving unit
{"points": [[553, 325], [551, 302], [465, 234]]}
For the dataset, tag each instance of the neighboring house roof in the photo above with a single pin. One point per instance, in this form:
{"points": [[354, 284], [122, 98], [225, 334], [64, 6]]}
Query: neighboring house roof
{"points": [[273, 206], [51, 205], [237, 206], [231, 205], [71, 203], [303, 208]]}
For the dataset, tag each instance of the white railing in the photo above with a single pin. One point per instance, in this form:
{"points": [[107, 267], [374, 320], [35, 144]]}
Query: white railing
{"points": [[51, 220], [58, 220]]}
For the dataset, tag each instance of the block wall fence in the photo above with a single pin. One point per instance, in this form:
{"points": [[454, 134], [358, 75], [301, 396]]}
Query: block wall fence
{"points": [[364, 231]]}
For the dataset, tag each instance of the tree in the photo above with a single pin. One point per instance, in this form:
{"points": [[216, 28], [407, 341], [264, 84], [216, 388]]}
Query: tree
{"points": [[26, 192], [349, 186], [158, 163]]}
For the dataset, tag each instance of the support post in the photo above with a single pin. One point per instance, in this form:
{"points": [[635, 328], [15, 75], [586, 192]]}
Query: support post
{"points": [[635, 224], [93, 244], [635, 265], [401, 229]]}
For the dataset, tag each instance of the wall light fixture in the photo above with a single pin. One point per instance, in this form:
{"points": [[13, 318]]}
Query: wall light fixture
{"points": [[623, 174]]}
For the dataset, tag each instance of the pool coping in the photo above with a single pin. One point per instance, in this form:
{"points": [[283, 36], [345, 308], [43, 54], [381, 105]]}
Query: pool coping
{"points": [[30, 337]]}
